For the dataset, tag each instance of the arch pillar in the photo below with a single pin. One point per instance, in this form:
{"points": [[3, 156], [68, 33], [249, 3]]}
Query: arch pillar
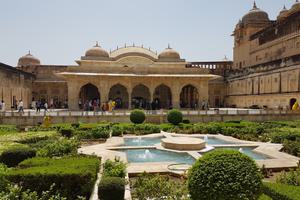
{"points": [[73, 96], [129, 90], [175, 90]]}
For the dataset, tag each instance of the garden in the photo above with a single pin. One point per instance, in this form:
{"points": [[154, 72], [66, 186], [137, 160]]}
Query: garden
{"points": [[43, 163]]}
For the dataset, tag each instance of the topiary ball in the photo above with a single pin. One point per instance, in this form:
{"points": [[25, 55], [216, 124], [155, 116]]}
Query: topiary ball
{"points": [[137, 116], [111, 188], [226, 175], [174, 117]]}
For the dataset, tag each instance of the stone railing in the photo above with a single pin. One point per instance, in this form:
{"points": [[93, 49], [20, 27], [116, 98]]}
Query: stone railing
{"points": [[66, 113]]}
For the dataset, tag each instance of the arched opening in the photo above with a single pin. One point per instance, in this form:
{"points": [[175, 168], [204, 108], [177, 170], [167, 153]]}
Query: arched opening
{"points": [[140, 97], [292, 102], [89, 97], [119, 94], [162, 97], [189, 97]]}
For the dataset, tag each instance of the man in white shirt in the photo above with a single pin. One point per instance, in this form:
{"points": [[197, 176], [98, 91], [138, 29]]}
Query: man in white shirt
{"points": [[21, 106]]}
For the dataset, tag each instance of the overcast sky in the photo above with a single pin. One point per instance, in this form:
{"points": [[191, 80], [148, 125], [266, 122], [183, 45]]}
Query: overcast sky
{"points": [[60, 31]]}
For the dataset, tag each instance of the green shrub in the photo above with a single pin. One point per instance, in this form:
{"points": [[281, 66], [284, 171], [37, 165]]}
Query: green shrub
{"points": [[264, 197], [226, 175], [14, 192], [67, 132], [114, 169], [116, 131], [292, 147], [148, 186], [144, 129], [13, 156], [3, 181], [72, 176], [186, 121], [281, 192], [174, 117], [289, 178], [137, 116], [111, 188], [75, 125], [4, 129], [100, 132], [59, 148]]}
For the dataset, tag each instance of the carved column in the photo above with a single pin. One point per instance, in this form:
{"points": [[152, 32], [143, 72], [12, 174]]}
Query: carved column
{"points": [[73, 93]]}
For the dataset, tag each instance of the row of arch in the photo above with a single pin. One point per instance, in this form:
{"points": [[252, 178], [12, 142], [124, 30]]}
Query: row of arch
{"points": [[140, 96]]}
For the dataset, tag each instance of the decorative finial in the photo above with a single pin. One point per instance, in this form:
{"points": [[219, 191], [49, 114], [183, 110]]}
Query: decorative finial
{"points": [[29, 53], [125, 45], [254, 5], [133, 44], [169, 46], [97, 44], [149, 48], [117, 47], [109, 50], [156, 52], [284, 8], [142, 46]]}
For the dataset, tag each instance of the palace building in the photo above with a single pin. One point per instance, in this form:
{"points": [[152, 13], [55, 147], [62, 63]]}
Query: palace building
{"points": [[265, 72]]}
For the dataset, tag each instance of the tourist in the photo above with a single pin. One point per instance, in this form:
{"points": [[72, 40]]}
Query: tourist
{"points": [[21, 106], [38, 106], [3, 106], [79, 104], [33, 104], [295, 106], [113, 105], [95, 105], [46, 107], [0, 105]]}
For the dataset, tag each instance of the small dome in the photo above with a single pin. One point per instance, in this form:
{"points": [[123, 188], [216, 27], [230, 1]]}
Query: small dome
{"points": [[169, 53], [96, 51], [255, 15], [28, 59], [283, 13], [295, 7]]}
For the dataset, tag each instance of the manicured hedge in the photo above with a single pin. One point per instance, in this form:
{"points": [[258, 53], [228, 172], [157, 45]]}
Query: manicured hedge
{"points": [[72, 176], [281, 192], [67, 132], [226, 175], [137, 116], [174, 117], [111, 188], [13, 156]]}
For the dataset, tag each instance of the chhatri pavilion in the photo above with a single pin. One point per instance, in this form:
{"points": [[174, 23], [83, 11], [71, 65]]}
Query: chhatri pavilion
{"points": [[135, 76]]}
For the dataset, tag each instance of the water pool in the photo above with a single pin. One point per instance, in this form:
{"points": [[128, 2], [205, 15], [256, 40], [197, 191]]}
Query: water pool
{"points": [[249, 152], [140, 141], [154, 155]]}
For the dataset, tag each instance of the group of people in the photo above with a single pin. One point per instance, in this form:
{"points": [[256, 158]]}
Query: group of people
{"points": [[96, 105], [38, 105]]}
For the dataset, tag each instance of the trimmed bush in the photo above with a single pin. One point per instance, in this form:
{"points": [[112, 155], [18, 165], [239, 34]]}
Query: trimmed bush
{"points": [[59, 148], [137, 116], [226, 175], [116, 131], [67, 132], [281, 192], [72, 176], [174, 117], [100, 132], [12, 157], [114, 169], [111, 188]]}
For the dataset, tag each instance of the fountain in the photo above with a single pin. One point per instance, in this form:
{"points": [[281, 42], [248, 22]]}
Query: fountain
{"points": [[147, 155], [183, 143], [138, 140], [205, 138], [241, 150]]}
